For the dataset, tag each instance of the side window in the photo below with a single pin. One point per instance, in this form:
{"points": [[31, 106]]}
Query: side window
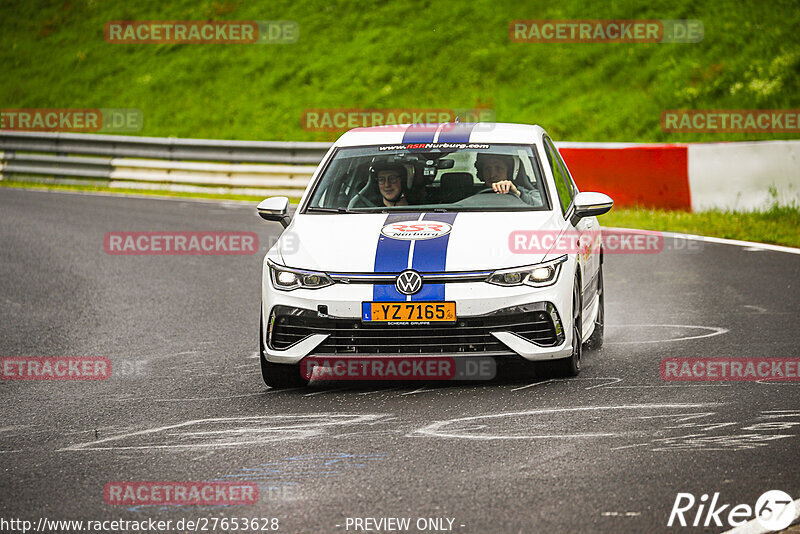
{"points": [[563, 185], [570, 179]]}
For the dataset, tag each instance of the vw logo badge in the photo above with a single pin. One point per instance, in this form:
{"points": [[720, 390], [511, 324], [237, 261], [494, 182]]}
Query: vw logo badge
{"points": [[409, 282]]}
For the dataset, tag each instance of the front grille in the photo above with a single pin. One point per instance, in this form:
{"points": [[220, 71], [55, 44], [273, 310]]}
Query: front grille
{"points": [[535, 322]]}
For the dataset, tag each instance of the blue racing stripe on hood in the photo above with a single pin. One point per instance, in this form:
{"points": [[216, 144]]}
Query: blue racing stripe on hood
{"points": [[420, 133], [456, 132], [391, 256], [430, 255]]}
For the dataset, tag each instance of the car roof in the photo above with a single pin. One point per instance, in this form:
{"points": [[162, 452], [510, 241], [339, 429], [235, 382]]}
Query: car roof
{"points": [[453, 132]]}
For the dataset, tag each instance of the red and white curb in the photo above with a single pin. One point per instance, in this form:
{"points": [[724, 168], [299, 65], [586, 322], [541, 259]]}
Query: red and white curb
{"points": [[695, 176]]}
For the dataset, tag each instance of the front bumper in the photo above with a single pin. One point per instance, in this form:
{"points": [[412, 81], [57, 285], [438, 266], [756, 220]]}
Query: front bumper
{"points": [[533, 323], [533, 329]]}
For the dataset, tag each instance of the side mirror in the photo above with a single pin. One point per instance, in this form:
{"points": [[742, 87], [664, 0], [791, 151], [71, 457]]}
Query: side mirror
{"points": [[590, 205], [275, 209]]}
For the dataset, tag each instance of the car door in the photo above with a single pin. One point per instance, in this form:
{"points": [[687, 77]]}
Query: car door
{"points": [[586, 236], [591, 228]]}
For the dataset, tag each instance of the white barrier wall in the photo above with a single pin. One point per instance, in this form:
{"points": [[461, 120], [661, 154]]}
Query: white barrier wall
{"points": [[739, 175]]}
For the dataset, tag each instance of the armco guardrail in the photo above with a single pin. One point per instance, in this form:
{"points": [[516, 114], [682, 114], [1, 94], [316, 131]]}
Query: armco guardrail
{"points": [[170, 148], [695, 176], [167, 163]]}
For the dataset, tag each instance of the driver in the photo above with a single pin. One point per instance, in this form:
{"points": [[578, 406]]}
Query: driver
{"points": [[495, 171]]}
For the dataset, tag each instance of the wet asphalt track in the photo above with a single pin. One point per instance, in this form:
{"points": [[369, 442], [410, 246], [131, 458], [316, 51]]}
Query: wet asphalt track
{"points": [[607, 452]]}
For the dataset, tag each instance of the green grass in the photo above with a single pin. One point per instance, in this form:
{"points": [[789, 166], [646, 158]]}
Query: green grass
{"points": [[410, 54], [777, 224]]}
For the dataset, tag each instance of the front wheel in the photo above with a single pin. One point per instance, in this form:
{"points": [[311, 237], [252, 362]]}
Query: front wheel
{"points": [[278, 375], [571, 365]]}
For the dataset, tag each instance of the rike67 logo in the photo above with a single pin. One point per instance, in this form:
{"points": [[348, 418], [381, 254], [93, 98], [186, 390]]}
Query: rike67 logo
{"points": [[774, 510]]}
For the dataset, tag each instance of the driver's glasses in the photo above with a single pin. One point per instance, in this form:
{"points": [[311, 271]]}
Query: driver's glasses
{"points": [[392, 180]]}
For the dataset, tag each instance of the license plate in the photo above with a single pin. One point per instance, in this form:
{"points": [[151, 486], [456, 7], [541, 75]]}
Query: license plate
{"points": [[409, 312]]}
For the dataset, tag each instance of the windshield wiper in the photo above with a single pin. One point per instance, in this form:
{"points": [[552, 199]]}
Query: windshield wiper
{"points": [[329, 210]]}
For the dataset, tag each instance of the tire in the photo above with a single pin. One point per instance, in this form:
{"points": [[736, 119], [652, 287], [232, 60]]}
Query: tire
{"points": [[278, 375], [595, 341], [571, 365]]}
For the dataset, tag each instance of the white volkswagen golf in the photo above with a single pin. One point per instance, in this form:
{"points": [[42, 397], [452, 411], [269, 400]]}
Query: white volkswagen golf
{"points": [[435, 240]]}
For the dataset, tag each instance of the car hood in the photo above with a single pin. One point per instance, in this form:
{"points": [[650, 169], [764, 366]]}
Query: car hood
{"points": [[353, 243]]}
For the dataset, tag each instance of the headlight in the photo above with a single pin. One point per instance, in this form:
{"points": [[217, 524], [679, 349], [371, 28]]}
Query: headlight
{"points": [[539, 275], [287, 279]]}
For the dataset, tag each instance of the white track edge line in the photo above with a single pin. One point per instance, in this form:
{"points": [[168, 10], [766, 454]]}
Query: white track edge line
{"points": [[718, 240]]}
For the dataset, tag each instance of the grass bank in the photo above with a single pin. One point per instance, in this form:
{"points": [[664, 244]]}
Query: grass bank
{"points": [[410, 54]]}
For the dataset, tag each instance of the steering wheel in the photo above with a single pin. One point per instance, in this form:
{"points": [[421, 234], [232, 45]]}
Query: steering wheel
{"points": [[487, 190]]}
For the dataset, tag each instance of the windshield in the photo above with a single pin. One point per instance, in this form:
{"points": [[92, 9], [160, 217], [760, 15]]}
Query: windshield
{"points": [[431, 176]]}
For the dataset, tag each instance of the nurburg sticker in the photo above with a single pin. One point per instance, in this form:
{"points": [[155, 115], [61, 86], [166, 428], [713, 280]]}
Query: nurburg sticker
{"points": [[416, 230]]}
